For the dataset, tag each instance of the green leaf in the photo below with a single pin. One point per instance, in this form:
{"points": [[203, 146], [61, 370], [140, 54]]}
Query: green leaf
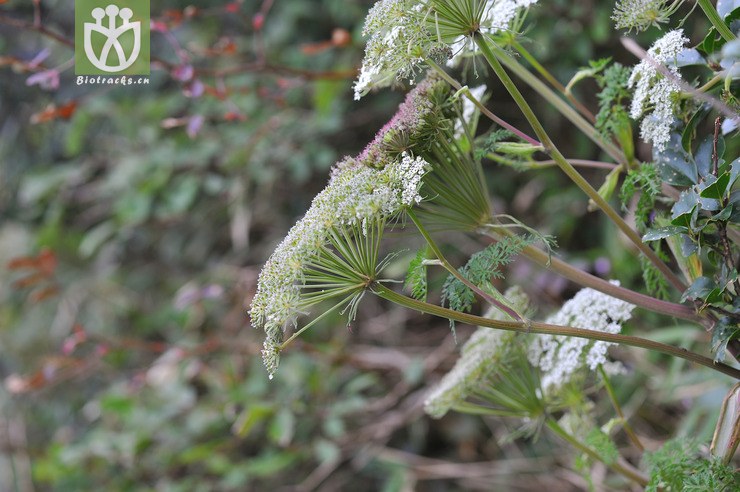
{"points": [[712, 42], [724, 331], [602, 444], [688, 133], [688, 247], [479, 270], [282, 427], [251, 416], [725, 214], [703, 155], [587, 72], [96, 237], [718, 188], [710, 204], [700, 289], [416, 276], [684, 210], [675, 165], [734, 171], [662, 233]]}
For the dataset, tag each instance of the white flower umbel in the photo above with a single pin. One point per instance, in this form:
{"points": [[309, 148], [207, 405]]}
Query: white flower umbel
{"points": [[356, 194], [478, 358], [398, 44], [641, 14], [559, 357], [498, 16], [653, 92], [405, 33]]}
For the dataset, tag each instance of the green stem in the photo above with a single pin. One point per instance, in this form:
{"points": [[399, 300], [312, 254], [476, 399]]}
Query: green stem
{"points": [[621, 467], [552, 80], [548, 94], [617, 408], [448, 266], [577, 163], [711, 83], [585, 279], [716, 20], [568, 169], [484, 110], [548, 329]]}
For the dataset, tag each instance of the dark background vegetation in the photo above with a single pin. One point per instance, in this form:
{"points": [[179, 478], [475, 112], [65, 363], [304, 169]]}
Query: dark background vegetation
{"points": [[135, 220]]}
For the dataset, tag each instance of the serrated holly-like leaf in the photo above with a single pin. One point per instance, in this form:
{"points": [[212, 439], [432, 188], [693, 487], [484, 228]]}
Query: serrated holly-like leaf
{"points": [[725, 7], [735, 202], [662, 233], [688, 247], [684, 210], [723, 332], [734, 171], [416, 276], [700, 289], [675, 165], [718, 188], [685, 204], [703, 155], [723, 215], [707, 203], [688, 133]]}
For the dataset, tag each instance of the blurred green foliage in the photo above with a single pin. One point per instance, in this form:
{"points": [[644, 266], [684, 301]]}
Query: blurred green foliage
{"points": [[131, 238]]}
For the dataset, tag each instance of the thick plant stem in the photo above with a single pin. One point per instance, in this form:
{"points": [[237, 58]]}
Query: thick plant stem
{"points": [[484, 110], [548, 329], [585, 279], [448, 266], [563, 107], [618, 466], [716, 20], [618, 408], [552, 80], [569, 170]]}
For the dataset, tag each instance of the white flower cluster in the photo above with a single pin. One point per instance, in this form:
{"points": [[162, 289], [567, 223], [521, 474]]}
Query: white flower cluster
{"points": [[653, 91], [397, 45], [400, 41], [497, 16], [479, 357], [356, 194], [468, 109], [559, 357], [641, 14]]}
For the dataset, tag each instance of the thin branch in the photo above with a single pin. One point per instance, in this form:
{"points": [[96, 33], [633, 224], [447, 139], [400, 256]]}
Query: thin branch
{"points": [[549, 329]]}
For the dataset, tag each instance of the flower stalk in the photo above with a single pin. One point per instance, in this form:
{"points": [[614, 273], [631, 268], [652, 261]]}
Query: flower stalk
{"points": [[568, 169], [585, 279], [716, 20], [456, 273], [618, 409], [619, 466], [548, 329]]}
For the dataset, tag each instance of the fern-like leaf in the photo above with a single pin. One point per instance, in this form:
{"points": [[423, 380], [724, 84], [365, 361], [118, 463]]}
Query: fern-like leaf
{"points": [[480, 269], [416, 276]]}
